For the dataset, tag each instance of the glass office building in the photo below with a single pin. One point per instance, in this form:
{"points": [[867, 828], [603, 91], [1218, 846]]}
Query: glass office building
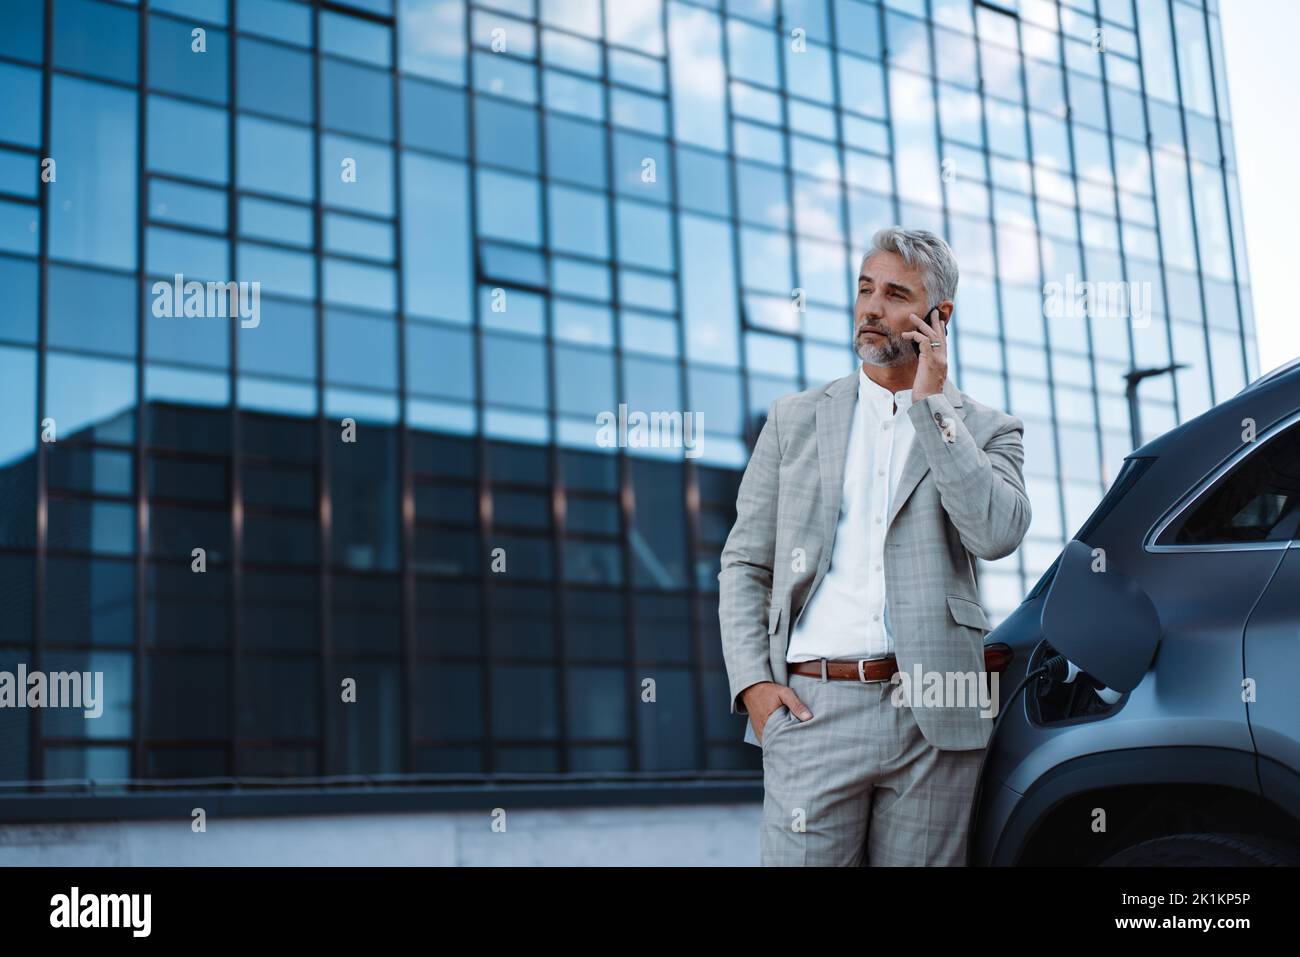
{"points": [[474, 227]]}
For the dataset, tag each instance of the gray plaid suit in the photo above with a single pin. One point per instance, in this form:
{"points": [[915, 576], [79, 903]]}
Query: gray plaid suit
{"points": [[956, 500], [960, 496]]}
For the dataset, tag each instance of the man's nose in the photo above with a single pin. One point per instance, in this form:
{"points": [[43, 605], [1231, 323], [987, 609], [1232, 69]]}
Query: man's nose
{"points": [[871, 309]]}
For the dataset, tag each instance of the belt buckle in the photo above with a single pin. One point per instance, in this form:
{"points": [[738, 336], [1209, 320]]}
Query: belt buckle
{"points": [[862, 675]]}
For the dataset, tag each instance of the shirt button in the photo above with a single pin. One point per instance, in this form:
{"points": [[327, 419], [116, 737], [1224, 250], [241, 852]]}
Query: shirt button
{"points": [[877, 568], [880, 471], [884, 425], [875, 618], [877, 519]]}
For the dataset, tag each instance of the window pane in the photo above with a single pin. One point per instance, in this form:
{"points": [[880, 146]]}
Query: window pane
{"points": [[95, 38], [1256, 502], [93, 201]]}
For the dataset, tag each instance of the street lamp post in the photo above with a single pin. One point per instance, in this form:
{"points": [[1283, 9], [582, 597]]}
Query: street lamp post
{"points": [[1131, 380]]}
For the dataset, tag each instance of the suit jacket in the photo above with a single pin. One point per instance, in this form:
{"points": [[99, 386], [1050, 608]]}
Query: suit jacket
{"points": [[961, 496]]}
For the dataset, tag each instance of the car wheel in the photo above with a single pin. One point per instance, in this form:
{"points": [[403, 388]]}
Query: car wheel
{"points": [[1207, 850]]}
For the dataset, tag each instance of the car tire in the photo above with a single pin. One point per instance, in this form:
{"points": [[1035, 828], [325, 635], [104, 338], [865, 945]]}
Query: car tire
{"points": [[1207, 850]]}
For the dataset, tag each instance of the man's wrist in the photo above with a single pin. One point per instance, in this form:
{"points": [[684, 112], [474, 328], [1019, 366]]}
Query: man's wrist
{"points": [[744, 691]]}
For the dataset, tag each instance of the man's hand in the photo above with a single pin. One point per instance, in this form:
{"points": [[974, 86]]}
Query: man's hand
{"points": [[932, 364], [765, 697]]}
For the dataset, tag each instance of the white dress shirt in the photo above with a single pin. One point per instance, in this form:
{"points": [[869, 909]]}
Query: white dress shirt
{"points": [[848, 617]]}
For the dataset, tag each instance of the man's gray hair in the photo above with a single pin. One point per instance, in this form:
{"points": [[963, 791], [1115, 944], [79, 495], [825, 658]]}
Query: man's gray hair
{"points": [[920, 249]]}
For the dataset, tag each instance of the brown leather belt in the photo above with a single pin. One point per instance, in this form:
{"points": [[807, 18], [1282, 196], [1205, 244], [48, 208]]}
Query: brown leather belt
{"points": [[996, 658], [864, 669]]}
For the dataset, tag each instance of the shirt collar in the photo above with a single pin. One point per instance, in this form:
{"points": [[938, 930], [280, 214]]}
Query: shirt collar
{"points": [[878, 397]]}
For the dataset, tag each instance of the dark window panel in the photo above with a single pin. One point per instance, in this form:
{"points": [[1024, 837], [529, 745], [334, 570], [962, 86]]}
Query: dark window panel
{"points": [[447, 619], [102, 528], [172, 684], [17, 585], [524, 704], [593, 516], [666, 738], [659, 535], [279, 487], [447, 502], [443, 455], [187, 609], [448, 702], [187, 428], [592, 563], [365, 736], [662, 626], [597, 702], [364, 489], [185, 762], [445, 551], [594, 625], [175, 532], [278, 437], [279, 698], [367, 614], [520, 623], [89, 602], [508, 462], [280, 539], [281, 610]]}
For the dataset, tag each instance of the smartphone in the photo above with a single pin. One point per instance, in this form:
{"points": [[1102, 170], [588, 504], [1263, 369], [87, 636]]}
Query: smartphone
{"points": [[916, 346]]}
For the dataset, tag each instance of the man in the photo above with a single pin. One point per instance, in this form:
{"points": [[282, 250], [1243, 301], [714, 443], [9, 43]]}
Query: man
{"points": [[859, 518]]}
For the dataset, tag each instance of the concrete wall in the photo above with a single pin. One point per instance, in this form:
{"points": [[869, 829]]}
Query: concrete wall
{"points": [[643, 836]]}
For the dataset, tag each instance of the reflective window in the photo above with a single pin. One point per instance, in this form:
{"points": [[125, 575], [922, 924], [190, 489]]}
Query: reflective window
{"points": [[24, 36], [174, 127], [277, 19], [433, 118], [181, 63], [93, 200], [20, 89], [1255, 502], [276, 80], [356, 99], [91, 310], [505, 135], [509, 207], [356, 175], [575, 151], [96, 38], [578, 221], [435, 238]]}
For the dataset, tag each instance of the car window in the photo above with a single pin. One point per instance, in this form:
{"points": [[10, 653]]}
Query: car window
{"points": [[1257, 501]]}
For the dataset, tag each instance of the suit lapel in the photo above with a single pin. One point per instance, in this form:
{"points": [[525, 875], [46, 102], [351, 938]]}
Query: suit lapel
{"points": [[915, 467], [834, 419]]}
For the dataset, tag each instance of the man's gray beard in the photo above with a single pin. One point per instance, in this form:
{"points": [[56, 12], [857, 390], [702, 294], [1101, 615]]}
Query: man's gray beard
{"points": [[889, 354]]}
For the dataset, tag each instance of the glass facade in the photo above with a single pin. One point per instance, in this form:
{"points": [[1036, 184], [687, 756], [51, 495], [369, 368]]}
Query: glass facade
{"points": [[475, 227]]}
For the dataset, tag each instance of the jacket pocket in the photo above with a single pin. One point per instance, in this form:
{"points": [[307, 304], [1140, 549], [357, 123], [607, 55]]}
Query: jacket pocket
{"points": [[967, 612]]}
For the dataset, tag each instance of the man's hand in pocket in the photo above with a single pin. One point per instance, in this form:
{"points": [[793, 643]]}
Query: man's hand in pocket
{"points": [[765, 697]]}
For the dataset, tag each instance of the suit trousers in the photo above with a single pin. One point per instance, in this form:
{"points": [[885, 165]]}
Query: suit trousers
{"points": [[857, 784]]}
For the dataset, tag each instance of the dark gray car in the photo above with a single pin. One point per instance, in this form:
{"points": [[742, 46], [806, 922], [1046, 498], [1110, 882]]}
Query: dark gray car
{"points": [[1178, 740]]}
